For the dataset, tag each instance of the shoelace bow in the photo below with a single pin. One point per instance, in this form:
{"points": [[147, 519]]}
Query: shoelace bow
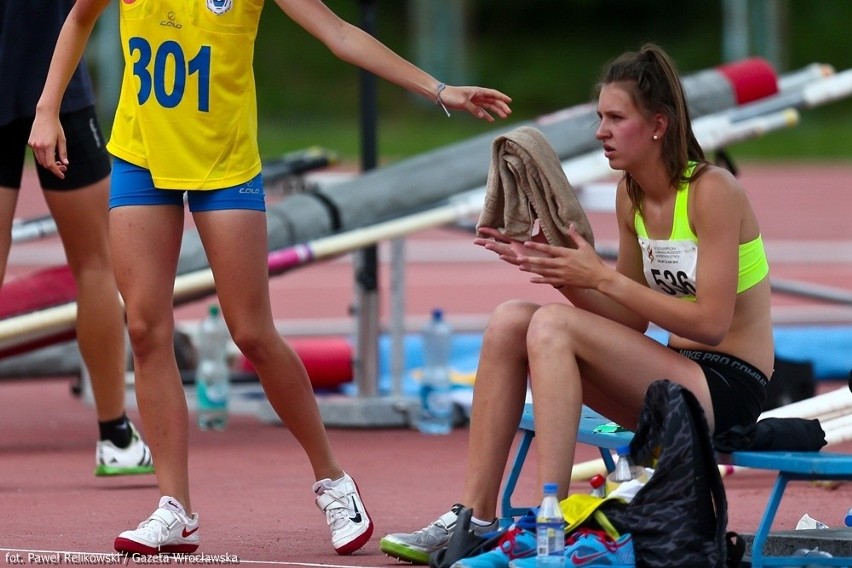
{"points": [[604, 538], [337, 510]]}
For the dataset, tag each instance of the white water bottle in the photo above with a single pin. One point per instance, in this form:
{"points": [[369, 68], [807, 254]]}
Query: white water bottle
{"points": [[623, 466], [550, 530], [212, 376], [436, 404], [624, 470]]}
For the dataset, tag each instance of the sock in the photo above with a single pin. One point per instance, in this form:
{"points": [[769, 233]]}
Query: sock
{"points": [[336, 482], [116, 431], [480, 522]]}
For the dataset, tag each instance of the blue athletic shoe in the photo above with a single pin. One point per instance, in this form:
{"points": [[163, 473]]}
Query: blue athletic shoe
{"points": [[586, 547], [515, 544]]}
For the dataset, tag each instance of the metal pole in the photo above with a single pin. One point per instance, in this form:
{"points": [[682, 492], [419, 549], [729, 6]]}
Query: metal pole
{"points": [[367, 410], [366, 370], [439, 39], [735, 30], [768, 24], [397, 315]]}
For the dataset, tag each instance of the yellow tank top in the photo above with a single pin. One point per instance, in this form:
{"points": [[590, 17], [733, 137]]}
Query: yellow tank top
{"points": [[670, 264], [188, 109]]}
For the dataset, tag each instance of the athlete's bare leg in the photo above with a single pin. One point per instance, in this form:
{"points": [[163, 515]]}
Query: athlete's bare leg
{"points": [[242, 284], [145, 247], [498, 401], [577, 357], [82, 221], [8, 201]]}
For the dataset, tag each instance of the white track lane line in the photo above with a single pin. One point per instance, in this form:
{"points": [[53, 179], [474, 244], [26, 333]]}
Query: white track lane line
{"points": [[25, 556]]}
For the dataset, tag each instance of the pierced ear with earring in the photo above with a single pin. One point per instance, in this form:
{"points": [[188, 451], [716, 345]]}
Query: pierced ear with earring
{"points": [[656, 137]]}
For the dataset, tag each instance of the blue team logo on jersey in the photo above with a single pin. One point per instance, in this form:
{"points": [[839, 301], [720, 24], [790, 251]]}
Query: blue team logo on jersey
{"points": [[219, 6]]}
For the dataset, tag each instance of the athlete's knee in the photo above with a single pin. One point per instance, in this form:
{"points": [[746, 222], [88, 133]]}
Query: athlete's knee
{"points": [[255, 342], [553, 323], [94, 274], [147, 337], [509, 320]]}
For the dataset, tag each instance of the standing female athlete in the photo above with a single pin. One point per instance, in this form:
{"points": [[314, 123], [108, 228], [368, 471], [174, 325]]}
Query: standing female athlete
{"points": [[78, 206], [186, 124]]}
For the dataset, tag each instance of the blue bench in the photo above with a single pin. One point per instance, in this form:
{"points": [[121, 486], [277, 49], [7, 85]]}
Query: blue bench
{"points": [[791, 466]]}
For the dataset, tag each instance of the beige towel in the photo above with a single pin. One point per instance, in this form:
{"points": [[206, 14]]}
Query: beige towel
{"points": [[526, 181]]}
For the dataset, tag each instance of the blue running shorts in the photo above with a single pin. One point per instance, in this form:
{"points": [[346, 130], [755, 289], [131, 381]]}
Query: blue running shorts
{"points": [[132, 185]]}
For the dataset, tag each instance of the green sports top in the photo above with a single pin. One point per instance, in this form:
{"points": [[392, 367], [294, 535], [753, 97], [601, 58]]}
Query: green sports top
{"points": [[670, 264]]}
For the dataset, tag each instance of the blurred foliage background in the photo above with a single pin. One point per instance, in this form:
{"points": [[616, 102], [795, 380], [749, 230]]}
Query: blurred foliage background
{"points": [[546, 54]]}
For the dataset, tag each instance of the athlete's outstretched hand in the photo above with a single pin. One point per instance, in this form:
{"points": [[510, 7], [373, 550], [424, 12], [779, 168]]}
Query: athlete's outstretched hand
{"points": [[47, 139], [478, 101], [508, 250]]}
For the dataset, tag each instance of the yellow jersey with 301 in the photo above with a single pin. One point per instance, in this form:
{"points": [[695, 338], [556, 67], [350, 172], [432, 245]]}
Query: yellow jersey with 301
{"points": [[187, 110]]}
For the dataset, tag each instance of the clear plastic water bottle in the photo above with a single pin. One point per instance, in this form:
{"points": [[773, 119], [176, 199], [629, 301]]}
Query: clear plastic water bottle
{"points": [[550, 530], [624, 470], [436, 404], [623, 467], [212, 376]]}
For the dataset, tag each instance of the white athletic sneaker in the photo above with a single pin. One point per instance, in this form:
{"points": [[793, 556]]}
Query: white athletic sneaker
{"points": [[168, 529], [350, 524], [132, 460]]}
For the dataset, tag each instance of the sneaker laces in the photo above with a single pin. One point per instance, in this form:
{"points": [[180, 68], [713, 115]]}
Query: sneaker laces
{"points": [[443, 525], [508, 542], [158, 524], [610, 544], [577, 534], [447, 521], [335, 503]]}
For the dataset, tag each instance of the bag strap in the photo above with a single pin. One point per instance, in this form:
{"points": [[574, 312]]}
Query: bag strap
{"points": [[736, 549], [717, 488], [606, 524]]}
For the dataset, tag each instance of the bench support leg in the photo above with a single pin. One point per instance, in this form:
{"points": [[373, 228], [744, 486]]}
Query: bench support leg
{"points": [[508, 511], [760, 537]]}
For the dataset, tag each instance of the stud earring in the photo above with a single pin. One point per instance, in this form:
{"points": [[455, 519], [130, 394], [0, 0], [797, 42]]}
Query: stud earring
{"points": [[655, 137]]}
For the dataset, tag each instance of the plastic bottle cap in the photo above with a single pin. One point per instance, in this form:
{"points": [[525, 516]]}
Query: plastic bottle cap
{"points": [[551, 487], [597, 480], [623, 450], [437, 314], [214, 310]]}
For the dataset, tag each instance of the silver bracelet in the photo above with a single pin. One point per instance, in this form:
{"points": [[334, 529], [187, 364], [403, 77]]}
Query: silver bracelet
{"points": [[438, 101]]}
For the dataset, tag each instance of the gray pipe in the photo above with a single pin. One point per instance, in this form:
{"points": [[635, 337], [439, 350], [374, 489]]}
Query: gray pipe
{"points": [[431, 177]]}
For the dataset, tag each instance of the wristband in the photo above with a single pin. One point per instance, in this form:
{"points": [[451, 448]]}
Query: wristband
{"points": [[438, 101]]}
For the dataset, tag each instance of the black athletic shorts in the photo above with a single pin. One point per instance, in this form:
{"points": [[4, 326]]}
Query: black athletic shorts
{"points": [[737, 389], [88, 159]]}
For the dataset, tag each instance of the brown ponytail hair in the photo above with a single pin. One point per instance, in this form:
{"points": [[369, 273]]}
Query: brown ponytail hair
{"points": [[652, 80]]}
